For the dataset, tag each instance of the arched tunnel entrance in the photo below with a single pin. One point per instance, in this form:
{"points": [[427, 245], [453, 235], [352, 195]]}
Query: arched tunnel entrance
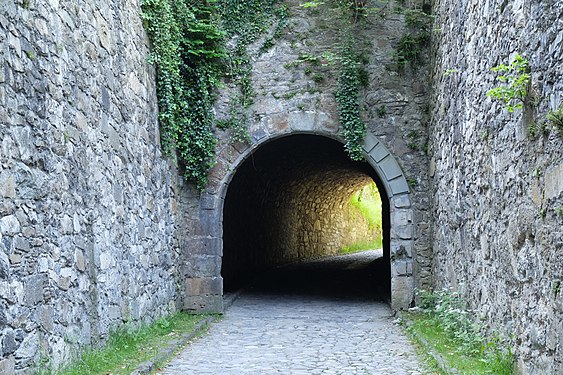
{"points": [[288, 202]]}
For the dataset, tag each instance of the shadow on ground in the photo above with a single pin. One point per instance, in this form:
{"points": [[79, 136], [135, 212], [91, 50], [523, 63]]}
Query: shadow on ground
{"points": [[363, 276]]}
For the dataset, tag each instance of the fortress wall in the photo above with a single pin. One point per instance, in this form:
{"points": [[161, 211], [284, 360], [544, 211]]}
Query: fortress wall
{"points": [[498, 190], [87, 203]]}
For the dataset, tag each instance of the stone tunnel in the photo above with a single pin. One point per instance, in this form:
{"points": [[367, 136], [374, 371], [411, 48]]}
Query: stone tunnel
{"points": [[283, 199], [289, 201]]}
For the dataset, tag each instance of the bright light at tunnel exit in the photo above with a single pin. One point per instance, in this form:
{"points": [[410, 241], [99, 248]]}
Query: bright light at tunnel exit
{"points": [[365, 216]]}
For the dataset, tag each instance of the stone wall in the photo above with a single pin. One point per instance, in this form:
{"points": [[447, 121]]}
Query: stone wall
{"points": [[498, 191], [87, 204]]}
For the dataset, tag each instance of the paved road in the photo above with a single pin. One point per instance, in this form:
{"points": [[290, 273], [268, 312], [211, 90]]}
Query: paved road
{"points": [[290, 324]]}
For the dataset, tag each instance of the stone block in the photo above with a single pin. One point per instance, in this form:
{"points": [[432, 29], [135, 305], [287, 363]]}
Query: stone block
{"points": [[204, 304], [390, 168], [404, 232], [34, 287], [208, 201], [258, 134], [378, 153], [302, 120], [402, 292], [7, 185], [370, 141], [401, 201], [399, 186], [204, 286], [401, 267], [278, 124], [9, 342], [79, 260], [8, 366], [203, 246], [21, 243], [554, 182], [198, 266], [401, 249], [10, 225], [210, 223]]}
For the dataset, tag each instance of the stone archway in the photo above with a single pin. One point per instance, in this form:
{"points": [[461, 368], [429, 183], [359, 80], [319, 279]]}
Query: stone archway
{"points": [[203, 248]]}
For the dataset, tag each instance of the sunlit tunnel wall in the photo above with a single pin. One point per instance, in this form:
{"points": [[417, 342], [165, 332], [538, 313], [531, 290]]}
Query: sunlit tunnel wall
{"points": [[297, 198]]}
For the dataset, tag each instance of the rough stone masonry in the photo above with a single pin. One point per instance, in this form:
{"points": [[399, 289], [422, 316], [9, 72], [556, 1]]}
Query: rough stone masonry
{"points": [[97, 229]]}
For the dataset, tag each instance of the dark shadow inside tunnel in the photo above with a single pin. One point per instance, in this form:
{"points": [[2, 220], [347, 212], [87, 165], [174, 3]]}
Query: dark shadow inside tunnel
{"points": [[288, 203]]}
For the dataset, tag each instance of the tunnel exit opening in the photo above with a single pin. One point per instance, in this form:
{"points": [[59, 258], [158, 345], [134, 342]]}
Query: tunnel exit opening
{"points": [[298, 198]]}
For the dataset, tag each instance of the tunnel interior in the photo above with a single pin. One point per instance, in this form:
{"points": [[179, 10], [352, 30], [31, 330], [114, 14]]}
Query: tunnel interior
{"points": [[288, 202]]}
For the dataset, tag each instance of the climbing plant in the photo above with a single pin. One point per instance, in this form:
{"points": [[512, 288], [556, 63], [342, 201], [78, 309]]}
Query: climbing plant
{"points": [[352, 128], [352, 76], [189, 49]]}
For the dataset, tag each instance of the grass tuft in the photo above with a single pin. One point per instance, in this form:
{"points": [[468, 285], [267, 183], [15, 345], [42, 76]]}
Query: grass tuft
{"points": [[128, 347], [444, 329]]}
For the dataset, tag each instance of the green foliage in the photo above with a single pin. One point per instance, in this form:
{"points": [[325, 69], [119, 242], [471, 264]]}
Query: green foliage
{"points": [[555, 118], [187, 49], [450, 72], [381, 111], [447, 312], [416, 39], [411, 46], [128, 347], [516, 78], [367, 201], [189, 52], [413, 137], [416, 18], [311, 4], [362, 246], [556, 287], [352, 128]]}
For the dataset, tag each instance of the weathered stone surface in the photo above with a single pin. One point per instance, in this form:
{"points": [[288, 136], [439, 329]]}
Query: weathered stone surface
{"points": [[9, 225], [9, 343], [204, 286], [87, 203], [7, 185], [405, 286], [8, 365], [205, 303], [554, 182], [497, 234]]}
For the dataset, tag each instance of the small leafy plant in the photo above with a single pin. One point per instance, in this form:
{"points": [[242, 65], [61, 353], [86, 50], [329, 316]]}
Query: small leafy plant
{"points": [[516, 78], [555, 118], [445, 321]]}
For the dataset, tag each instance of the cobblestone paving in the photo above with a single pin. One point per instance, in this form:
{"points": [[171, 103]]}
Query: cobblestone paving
{"points": [[300, 334]]}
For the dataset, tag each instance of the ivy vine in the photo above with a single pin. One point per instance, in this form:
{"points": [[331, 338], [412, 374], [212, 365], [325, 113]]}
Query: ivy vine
{"points": [[190, 53], [352, 75], [187, 50], [352, 128]]}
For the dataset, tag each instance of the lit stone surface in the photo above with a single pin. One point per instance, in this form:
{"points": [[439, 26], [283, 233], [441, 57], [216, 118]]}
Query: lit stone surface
{"points": [[498, 236], [86, 201]]}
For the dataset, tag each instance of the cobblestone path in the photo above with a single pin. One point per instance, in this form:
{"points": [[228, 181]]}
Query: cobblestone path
{"points": [[277, 332]]}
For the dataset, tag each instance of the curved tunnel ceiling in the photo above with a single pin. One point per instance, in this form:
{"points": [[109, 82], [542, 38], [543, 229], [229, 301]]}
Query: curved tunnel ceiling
{"points": [[289, 201]]}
